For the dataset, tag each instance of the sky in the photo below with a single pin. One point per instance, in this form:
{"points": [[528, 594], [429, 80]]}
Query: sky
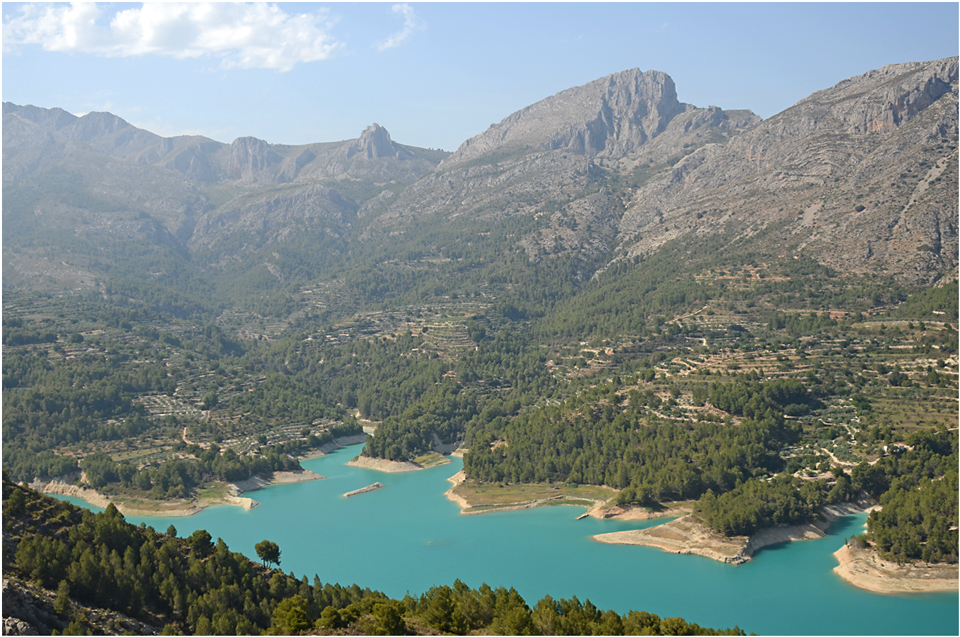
{"points": [[434, 74]]}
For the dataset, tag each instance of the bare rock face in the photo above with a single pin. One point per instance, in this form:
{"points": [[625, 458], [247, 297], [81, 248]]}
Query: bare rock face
{"points": [[259, 218], [28, 610], [884, 99], [249, 157], [863, 177], [375, 143], [371, 156], [551, 160], [611, 116], [25, 614]]}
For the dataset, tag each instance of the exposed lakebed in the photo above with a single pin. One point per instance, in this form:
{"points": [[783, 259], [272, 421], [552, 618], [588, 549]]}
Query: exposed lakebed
{"points": [[407, 537]]}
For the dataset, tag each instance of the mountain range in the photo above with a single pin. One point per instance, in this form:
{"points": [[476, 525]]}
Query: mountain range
{"points": [[860, 177]]}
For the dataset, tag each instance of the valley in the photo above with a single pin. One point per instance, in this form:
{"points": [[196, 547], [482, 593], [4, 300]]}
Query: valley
{"points": [[610, 300]]}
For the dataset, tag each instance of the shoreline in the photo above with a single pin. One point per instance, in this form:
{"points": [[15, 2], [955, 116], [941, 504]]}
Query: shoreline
{"points": [[379, 464], [176, 508], [639, 513], [864, 568], [338, 443], [593, 506], [685, 536]]}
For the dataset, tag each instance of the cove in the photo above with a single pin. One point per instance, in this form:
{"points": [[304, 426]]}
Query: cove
{"points": [[407, 537]]}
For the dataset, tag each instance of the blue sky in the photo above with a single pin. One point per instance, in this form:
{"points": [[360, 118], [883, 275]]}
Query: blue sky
{"points": [[434, 74]]}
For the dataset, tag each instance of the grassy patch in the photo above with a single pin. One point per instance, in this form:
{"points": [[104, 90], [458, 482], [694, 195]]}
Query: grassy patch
{"points": [[432, 459], [489, 494]]}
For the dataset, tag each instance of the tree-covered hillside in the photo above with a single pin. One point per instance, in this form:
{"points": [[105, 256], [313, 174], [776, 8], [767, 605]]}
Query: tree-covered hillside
{"points": [[73, 572]]}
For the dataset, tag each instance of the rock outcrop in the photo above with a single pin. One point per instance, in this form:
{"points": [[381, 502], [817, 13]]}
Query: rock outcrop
{"points": [[28, 610], [861, 177], [847, 172], [609, 117]]}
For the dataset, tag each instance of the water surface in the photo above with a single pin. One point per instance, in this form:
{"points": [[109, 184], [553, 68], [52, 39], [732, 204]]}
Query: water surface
{"points": [[407, 537]]}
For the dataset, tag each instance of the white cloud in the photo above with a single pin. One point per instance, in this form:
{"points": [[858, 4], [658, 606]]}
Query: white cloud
{"points": [[411, 23], [241, 35]]}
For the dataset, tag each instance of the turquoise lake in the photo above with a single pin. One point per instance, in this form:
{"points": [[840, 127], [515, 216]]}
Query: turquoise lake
{"points": [[408, 537]]}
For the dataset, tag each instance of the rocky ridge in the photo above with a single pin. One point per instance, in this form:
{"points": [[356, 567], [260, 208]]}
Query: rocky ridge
{"points": [[203, 160], [861, 177], [609, 117], [847, 171], [552, 161]]}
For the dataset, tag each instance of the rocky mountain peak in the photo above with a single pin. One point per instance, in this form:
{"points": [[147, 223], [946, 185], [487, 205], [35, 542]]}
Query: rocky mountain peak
{"points": [[96, 125], [375, 143], [611, 116], [48, 118]]}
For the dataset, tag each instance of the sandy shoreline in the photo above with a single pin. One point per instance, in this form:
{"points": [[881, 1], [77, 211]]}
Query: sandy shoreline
{"points": [[865, 569], [175, 508], [686, 536], [338, 443], [379, 464], [638, 513], [456, 479]]}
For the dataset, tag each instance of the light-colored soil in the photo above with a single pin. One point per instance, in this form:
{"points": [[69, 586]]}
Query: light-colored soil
{"points": [[439, 447], [684, 536], [642, 513], [688, 537], [379, 464], [367, 489], [865, 569], [456, 479], [278, 477], [125, 506], [228, 494], [338, 443]]}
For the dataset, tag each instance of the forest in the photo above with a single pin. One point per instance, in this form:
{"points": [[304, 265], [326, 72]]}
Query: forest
{"points": [[729, 380], [196, 585]]}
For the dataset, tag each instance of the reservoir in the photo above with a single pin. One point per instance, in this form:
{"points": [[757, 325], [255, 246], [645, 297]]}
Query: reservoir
{"points": [[406, 537]]}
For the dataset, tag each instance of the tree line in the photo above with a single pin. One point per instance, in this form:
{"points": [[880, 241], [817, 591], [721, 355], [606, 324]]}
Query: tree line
{"points": [[196, 585]]}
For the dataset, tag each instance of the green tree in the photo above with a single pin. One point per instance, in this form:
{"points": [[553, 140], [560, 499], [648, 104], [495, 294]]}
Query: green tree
{"points": [[290, 616], [61, 605], [329, 618], [203, 626], [201, 543], [268, 551], [17, 503], [388, 619]]}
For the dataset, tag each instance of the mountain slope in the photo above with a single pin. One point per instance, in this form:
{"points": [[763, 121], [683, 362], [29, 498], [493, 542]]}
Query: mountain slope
{"points": [[83, 194], [861, 176], [553, 172], [609, 117]]}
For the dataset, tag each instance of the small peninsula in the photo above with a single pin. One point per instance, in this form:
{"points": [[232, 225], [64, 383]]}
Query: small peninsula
{"points": [[474, 498], [686, 536], [228, 493], [863, 568], [426, 461]]}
